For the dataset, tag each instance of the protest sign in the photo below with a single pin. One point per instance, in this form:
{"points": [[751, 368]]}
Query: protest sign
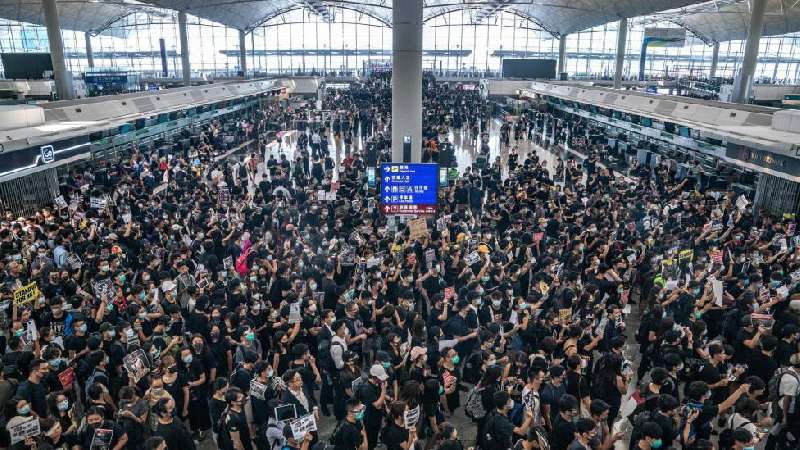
{"points": [[257, 389], [66, 378], [98, 202], [103, 287], [25, 428], [302, 426], [564, 314], [373, 262], [430, 257], [103, 437], [411, 417], [686, 255], [716, 288], [741, 202], [294, 313], [417, 228], [136, 365], [348, 256], [227, 263], [60, 202], [26, 294], [472, 258], [716, 256], [74, 261]]}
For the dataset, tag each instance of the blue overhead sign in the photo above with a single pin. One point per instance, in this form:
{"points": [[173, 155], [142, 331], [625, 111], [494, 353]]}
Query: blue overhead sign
{"points": [[409, 188]]}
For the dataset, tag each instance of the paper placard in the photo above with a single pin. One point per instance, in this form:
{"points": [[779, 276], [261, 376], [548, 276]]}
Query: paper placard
{"points": [[227, 263], [374, 262], [472, 258], [716, 256], [417, 228], [136, 365], [66, 378], [741, 202], [98, 202], [60, 202], [102, 287], [26, 294], [19, 431], [348, 256], [411, 417], [564, 314], [430, 257], [102, 439], [257, 389], [302, 426], [74, 261], [716, 287], [294, 313], [686, 255]]}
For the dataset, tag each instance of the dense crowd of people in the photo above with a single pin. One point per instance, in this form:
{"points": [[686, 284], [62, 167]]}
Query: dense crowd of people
{"points": [[251, 298]]}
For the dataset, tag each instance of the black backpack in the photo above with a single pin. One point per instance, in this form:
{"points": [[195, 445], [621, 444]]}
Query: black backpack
{"points": [[487, 439], [726, 436], [324, 354]]}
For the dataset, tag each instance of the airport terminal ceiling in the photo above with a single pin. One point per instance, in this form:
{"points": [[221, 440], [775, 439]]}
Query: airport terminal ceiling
{"points": [[712, 21]]}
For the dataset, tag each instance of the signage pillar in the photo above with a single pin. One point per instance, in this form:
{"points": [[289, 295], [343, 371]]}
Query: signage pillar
{"points": [[162, 48], [562, 56], [242, 53], [622, 36], [714, 60], [89, 54], [407, 78], [744, 79], [184, 38], [61, 76]]}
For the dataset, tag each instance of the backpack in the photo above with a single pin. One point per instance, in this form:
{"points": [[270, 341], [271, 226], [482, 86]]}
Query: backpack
{"points": [[726, 436], [774, 387], [358, 385], [474, 408], [487, 439], [324, 354], [277, 444]]}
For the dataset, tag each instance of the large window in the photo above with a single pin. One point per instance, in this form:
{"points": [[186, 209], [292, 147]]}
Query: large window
{"points": [[299, 41]]}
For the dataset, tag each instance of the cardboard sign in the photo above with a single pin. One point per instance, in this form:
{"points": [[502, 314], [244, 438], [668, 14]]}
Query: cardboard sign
{"points": [[257, 389], [417, 228], [136, 365], [411, 417], [66, 378], [302, 426], [19, 431], [26, 294], [98, 202]]}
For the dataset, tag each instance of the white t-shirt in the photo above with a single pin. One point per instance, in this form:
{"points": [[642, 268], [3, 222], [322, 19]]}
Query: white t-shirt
{"points": [[790, 386]]}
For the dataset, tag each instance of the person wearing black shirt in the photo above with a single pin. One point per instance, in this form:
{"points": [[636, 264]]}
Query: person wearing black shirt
{"points": [[498, 431], [94, 421], [170, 427], [234, 433], [564, 427], [351, 433], [33, 390], [373, 395], [395, 435], [584, 433]]}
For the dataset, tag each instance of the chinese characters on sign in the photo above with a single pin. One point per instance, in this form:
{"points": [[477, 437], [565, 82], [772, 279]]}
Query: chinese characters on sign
{"points": [[409, 188]]}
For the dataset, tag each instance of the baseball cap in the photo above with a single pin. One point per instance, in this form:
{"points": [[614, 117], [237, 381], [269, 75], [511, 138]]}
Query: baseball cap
{"points": [[378, 372]]}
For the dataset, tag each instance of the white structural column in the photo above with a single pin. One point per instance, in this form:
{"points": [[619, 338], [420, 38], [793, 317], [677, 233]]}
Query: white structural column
{"points": [[714, 60], [242, 53], [744, 79], [407, 78], [62, 77], [562, 54], [89, 53], [622, 38], [184, 37]]}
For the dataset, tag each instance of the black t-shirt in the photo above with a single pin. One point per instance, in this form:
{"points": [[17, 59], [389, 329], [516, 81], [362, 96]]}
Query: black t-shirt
{"points": [[234, 422], [368, 394], [394, 436], [500, 429], [349, 436], [563, 434], [36, 395]]}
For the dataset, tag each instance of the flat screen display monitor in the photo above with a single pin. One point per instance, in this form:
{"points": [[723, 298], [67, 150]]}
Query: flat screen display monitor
{"points": [[26, 66], [529, 68]]}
